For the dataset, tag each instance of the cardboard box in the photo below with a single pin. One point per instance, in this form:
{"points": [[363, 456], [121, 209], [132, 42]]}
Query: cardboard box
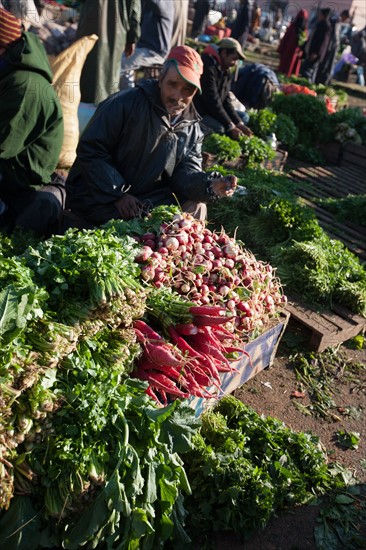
{"points": [[258, 355]]}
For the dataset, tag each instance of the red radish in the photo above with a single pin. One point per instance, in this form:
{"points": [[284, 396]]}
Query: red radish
{"points": [[224, 290], [171, 243], [144, 254], [148, 237], [150, 243], [161, 354], [229, 263], [163, 250], [185, 288], [230, 251], [160, 381], [207, 310], [211, 320], [146, 330], [186, 329], [148, 272]]}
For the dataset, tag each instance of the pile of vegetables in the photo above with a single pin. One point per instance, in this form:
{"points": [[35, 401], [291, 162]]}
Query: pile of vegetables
{"points": [[94, 354], [85, 454], [253, 150], [245, 466], [210, 267]]}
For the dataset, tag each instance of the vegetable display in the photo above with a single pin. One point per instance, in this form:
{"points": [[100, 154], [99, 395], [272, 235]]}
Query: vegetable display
{"points": [[97, 360]]}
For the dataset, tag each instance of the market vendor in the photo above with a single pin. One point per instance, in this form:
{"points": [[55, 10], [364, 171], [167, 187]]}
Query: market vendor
{"points": [[31, 133], [142, 148], [215, 104]]}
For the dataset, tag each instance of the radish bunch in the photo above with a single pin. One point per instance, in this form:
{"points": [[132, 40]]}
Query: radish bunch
{"points": [[187, 365], [209, 267]]}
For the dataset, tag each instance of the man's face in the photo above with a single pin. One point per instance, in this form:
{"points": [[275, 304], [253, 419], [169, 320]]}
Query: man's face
{"points": [[228, 59], [175, 92]]}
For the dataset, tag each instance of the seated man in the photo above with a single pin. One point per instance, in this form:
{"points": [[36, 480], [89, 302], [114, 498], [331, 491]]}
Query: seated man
{"points": [[215, 104], [31, 132], [142, 148]]}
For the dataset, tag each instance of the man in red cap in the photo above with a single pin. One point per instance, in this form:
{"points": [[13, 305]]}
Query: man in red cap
{"points": [[31, 132], [142, 148]]}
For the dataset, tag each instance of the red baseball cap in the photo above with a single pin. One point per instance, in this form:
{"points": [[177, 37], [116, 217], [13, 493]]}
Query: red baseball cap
{"points": [[188, 63], [10, 28]]}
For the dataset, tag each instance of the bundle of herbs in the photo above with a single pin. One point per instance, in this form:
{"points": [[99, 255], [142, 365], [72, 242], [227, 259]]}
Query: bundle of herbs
{"points": [[245, 467], [106, 471], [89, 274]]}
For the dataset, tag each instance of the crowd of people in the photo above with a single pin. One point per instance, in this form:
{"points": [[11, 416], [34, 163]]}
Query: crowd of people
{"points": [[142, 146]]}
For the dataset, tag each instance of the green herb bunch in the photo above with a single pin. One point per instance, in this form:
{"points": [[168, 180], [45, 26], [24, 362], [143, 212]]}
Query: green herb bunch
{"points": [[262, 122], [255, 150], [222, 146], [245, 467]]}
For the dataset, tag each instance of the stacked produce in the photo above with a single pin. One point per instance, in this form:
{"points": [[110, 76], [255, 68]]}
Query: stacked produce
{"points": [[207, 295], [87, 339]]}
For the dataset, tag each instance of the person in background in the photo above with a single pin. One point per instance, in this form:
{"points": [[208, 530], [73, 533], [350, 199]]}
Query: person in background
{"points": [[240, 26], [142, 148], [316, 46], [255, 21], [202, 9], [358, 49], [326, 65], [117, 33], [180, 23], [154, 43], [290, 46], [255, 85], [215, 104], [31, 133]]}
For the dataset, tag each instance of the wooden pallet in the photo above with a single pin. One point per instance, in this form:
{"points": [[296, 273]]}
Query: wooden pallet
{"points": [[327, 327], [334, 182]]}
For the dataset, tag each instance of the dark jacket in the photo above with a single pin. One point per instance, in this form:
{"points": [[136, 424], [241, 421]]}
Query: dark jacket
{"points": [[130, 146], [215, 83], [249, 87], [31, 121]]}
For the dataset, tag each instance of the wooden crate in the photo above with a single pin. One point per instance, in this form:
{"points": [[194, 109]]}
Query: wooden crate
{"points": [[332, 152], [353, 155], [327, 327], [257, 355], [278, 163]]}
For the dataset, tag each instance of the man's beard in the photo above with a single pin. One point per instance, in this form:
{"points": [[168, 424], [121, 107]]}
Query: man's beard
{"points": [[175, 108]]}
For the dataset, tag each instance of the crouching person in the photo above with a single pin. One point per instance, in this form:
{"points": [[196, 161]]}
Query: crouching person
{"points": [[142, 148], [31, 133]]}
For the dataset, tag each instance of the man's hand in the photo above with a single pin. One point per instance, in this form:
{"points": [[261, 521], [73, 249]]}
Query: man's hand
{"points": [[129, 49], [235, 133], [128, 207], [224, 186], [246, 131]]}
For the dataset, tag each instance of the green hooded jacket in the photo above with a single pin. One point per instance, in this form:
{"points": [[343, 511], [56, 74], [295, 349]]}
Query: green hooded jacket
{"points": [[31, 120]]}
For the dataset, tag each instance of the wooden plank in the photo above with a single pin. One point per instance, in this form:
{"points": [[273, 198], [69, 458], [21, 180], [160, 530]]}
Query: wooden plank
{"points": [[327, 327]]}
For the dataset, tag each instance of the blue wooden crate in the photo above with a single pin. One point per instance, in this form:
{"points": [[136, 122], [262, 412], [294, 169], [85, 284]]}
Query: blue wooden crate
{"points": [[259, 354]]}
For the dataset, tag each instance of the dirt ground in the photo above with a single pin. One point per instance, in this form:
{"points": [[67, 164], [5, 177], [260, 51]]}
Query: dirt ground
{"points": [[270, 393]]}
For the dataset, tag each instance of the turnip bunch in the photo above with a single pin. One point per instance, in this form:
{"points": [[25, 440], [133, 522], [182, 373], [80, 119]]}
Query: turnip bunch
{"points": [[211, 268]]}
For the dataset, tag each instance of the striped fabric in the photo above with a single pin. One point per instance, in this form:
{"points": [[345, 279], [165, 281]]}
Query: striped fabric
{"points": [[10, 28]]}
